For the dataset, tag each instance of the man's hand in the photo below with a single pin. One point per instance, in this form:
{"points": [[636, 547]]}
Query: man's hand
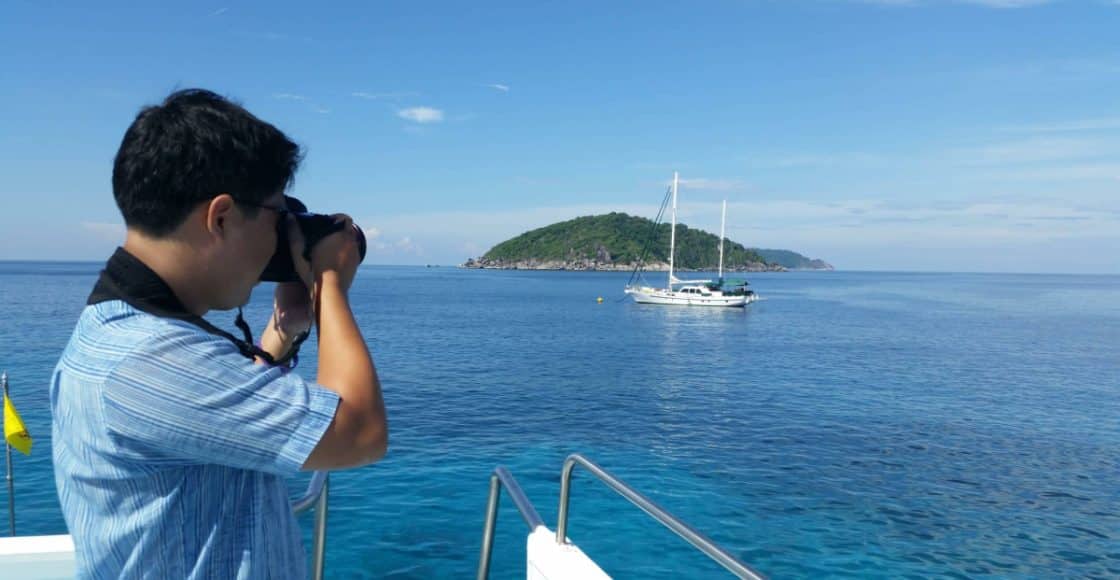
{"points": [[291, 310], [291, 316], [335, 257]]}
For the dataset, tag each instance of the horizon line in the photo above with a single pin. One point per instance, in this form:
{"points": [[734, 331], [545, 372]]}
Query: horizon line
{"points": [[458, 266]]}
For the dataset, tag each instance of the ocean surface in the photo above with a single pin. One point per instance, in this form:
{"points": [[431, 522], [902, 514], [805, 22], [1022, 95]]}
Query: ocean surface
{"points": [[870, 425]]}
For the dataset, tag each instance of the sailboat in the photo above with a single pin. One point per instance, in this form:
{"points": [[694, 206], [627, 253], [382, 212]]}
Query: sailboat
{"points": [[694, 292]]}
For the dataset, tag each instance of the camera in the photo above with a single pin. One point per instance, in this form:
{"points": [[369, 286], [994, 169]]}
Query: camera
{"points": [[314, 227]]}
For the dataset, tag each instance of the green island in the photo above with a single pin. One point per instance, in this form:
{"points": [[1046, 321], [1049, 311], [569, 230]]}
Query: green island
{"points": [[616, 241]]}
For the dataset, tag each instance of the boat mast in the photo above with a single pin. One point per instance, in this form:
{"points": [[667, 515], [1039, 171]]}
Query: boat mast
{"points": [[722, 223], [673, 232]]}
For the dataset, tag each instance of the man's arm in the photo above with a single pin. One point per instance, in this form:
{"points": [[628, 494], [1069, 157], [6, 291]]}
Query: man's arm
{"points": [[359, 433]]}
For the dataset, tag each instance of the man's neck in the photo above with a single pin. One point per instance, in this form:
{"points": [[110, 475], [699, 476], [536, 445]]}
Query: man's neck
{"points": [[176, 263]]}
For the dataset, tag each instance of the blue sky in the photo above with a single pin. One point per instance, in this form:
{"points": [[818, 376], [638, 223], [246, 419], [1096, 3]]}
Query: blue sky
{"points": [[977, 135]]}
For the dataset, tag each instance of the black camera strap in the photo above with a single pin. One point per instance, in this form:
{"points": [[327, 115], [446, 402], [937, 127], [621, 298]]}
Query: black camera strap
{"points": [[293, 351], [128, 279]]}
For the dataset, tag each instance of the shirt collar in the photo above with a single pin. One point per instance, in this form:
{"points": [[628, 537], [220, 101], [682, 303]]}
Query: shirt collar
{"points": [[128, 279]]}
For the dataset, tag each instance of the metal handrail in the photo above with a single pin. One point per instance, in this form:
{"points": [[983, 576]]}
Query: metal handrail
{"points": [[502, 477], [11, 479], [314, 490], [701, 542], [318, 490]]}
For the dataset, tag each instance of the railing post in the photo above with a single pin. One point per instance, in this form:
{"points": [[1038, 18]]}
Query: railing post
{"points": [[11, 479], [498, 478], [565, 494], [488, 527], [319, 539]]}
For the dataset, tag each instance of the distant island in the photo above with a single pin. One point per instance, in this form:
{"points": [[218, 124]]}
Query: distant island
{"points": [[615, 241], [792, 260]]}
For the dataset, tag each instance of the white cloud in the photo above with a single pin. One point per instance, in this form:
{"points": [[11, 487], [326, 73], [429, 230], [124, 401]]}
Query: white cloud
{"points": [[379, 96], [377, 245], [705, 184], [499, 87], [1063, 173], [374, 240], [113, 94], [1031, 151], [1055, 70], [1005, 3], [421, 114], [113, 232], [840, 159], [472, 249], [278, 36], [891, 2], [288, 97], [220, 11], [1098, 124], [645, 165], [966, 225], [297, 98], [986, 3]]}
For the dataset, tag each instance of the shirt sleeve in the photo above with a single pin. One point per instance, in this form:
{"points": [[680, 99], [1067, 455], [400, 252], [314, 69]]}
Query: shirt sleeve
{"points": [[192, 396]]}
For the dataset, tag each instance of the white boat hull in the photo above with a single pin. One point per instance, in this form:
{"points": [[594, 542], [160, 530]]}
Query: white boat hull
{"points": [[658, 296]]}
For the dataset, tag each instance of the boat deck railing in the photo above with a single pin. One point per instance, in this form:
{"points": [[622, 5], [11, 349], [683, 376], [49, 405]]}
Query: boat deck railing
{"points": [[499, 478], [318, 490], [502, 477]]}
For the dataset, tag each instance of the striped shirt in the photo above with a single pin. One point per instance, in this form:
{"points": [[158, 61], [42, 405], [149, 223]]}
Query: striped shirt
{"points": [[170, 449]]}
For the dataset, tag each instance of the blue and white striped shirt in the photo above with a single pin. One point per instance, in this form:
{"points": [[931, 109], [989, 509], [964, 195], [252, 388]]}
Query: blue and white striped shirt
{"points": [[170, 449]]}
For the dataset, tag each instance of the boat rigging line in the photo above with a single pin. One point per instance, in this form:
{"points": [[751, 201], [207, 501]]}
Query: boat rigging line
{"points": [[637, 274]]}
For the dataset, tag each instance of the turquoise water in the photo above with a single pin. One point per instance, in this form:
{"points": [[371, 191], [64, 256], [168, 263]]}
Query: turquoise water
{"points": [[849, 424]]}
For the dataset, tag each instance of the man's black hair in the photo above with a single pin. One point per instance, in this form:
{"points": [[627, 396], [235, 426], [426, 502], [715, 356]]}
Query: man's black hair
{"points": [[192, 147]]}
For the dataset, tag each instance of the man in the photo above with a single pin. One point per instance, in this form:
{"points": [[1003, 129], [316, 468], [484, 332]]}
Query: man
{"points": [[172, 437]]}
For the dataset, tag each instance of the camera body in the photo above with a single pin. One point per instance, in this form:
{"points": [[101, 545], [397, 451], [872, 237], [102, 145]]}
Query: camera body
{"points": [[314, 227]]}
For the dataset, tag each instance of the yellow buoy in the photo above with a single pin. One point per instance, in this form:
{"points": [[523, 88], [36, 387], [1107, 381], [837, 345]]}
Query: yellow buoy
{"points": [[599, 300]]}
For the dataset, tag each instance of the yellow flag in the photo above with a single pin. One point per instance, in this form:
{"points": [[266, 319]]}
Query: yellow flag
{"points": [[14, 431]]}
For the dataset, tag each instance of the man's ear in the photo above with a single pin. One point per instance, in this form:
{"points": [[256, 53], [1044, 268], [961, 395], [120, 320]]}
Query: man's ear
{"points": [[218, 213]]}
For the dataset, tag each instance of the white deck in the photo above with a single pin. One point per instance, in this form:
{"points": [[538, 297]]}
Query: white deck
{"points": [[37, 557], [52, 558], [547, 560]]}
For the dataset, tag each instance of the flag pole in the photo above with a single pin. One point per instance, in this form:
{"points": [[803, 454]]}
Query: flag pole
{"points": [[11, 480]]}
